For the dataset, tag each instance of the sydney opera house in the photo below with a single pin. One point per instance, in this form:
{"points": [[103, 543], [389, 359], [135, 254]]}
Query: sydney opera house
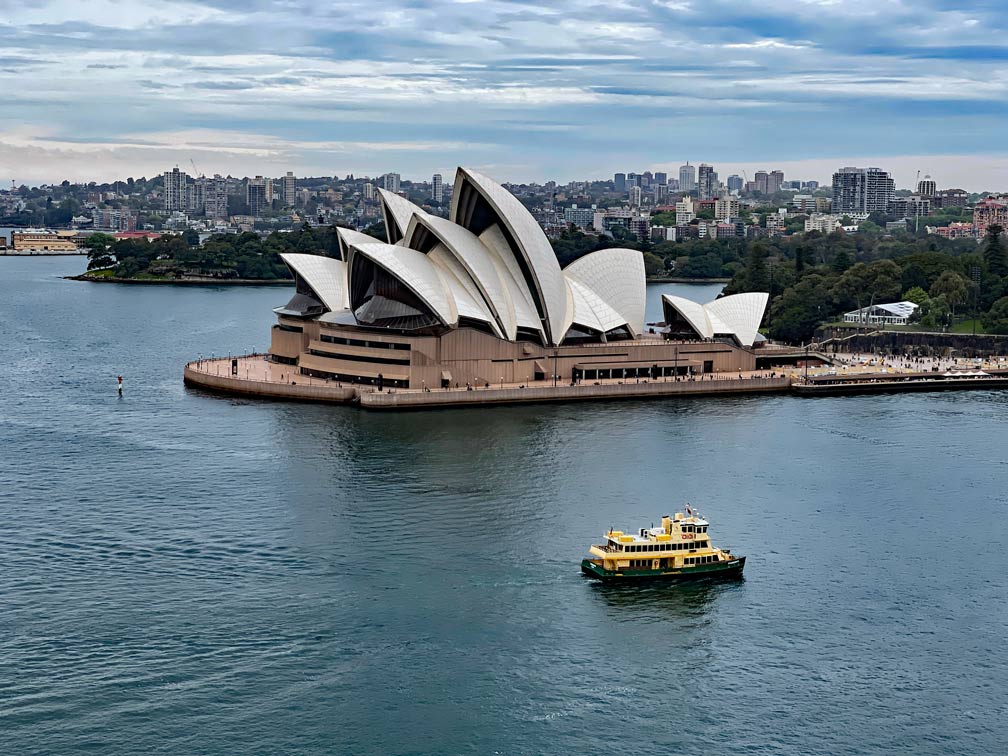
{"points": [[479, 298]]}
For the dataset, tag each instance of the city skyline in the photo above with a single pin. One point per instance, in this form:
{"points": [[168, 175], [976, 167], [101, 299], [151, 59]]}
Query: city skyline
{"points": [[525, 92]]}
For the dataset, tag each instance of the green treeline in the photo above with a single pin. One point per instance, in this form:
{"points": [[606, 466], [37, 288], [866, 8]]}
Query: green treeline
{"points": [[815, 278], [246, 256]]}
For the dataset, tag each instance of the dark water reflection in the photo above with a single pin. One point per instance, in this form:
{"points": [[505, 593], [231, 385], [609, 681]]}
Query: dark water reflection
{"points": [[189, 574]]}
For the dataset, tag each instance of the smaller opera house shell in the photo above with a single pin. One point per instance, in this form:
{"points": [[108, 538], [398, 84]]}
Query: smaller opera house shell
{"points": [[479, 298]]}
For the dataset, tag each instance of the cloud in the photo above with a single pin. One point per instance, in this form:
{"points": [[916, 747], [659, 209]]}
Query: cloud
{"points": [[615, 84]]}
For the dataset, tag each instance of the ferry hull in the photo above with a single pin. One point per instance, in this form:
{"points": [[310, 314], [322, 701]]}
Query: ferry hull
{"points": [[716, 571]]}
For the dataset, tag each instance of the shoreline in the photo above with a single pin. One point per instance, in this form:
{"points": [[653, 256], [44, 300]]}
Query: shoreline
{"points": [[236, 376], [182, 281]]}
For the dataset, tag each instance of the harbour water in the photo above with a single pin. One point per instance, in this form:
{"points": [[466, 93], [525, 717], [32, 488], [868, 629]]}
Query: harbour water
{"points": [[185, 574]]}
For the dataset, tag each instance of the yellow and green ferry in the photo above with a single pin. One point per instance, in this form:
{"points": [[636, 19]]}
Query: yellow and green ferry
{"points": [[678, 550]]}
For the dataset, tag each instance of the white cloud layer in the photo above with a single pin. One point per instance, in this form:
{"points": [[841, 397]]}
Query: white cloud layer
{"points": [[106, 89]]}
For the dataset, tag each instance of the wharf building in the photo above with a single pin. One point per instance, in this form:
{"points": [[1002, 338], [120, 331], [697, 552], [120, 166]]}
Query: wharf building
{"points": [[479, 298]]}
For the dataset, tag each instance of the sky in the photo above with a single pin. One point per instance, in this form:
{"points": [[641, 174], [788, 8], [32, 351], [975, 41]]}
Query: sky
{"points": [[524, 91]]}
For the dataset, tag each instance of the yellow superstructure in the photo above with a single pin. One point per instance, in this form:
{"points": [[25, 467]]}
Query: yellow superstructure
{"points": [[682, 542]]}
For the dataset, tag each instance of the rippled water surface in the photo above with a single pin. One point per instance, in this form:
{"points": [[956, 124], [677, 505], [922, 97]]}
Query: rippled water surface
{"points": [[185, 574]]}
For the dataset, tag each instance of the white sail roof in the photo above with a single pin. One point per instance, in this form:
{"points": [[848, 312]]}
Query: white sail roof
{"points": [[397, 212], [590, 310], [541, 261], [617, 276], [417, 272], [737, 315], [348, 236], [491, 263], [326, 276], [477, 260]]}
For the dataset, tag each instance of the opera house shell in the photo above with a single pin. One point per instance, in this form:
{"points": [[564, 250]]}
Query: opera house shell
{"points": [[479, 297]]}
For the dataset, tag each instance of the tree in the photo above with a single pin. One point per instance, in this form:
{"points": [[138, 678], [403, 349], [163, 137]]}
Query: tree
{"points": [[996, 320], [757, 277], [801, 308], [953, 287], [842, 261], [917, 295], [98, 247], [994, 251], [653, 265], [935, 313]]}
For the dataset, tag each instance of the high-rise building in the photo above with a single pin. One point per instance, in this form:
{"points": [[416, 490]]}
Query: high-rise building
{"points": [[684, 211], [862, 190], [175, 182], [391, 182], [726, 207], [735, 183], [687, 178], [635, 196], [368, 191], [760, 180], [215, 197], [255, 195], [707, 181], [437, 188], [619, 182], [661, 178], [775, 180], [926, 187], [289, 190], [196, 195]]}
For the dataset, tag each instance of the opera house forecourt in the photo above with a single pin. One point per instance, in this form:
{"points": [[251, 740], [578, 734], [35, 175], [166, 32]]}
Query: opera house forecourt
{"points": [[475, 302]]}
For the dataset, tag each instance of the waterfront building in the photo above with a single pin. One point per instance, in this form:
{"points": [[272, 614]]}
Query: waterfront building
{"points": [[862, 190], [707, 181], [175, 183], [479, 298], [289, 190], [113, 220], [895, 313], [43, 241], [687, 178], [390, 181], [437, 188]]}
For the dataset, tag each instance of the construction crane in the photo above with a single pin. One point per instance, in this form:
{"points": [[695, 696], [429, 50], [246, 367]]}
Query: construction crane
{"points": [[195, 169]]}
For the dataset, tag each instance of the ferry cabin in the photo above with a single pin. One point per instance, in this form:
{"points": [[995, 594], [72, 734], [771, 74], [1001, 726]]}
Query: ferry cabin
{"points": [[678, 543]]}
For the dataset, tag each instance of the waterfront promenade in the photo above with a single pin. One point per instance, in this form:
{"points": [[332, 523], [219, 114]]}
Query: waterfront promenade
{"points": [[255, 376]]}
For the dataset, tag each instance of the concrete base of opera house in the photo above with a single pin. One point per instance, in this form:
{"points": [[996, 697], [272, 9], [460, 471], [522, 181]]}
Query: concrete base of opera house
{"points": [[255, 376]]}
